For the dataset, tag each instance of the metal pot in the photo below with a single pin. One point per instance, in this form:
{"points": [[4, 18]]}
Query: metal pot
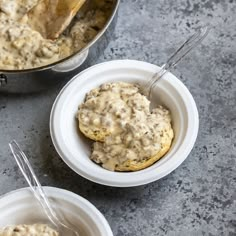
{"points": [[37, 79]]}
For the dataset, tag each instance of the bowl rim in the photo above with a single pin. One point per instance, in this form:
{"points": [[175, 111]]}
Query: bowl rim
{"points": [[81, 51], [192, 134], [71, 197]]}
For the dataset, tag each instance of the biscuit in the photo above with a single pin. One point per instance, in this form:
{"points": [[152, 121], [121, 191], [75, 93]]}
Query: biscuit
{"points": [[121, 146], [130, 165]]}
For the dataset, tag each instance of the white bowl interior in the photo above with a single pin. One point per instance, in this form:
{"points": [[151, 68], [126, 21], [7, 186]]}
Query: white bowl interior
{"points": [[75, 149], [20, 207]]}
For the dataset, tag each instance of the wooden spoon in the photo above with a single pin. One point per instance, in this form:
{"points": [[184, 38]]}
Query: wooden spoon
{"points": [[51, 17]]}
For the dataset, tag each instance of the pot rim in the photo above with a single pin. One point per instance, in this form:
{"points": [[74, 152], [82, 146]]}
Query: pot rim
{"points": [[91, 43]]}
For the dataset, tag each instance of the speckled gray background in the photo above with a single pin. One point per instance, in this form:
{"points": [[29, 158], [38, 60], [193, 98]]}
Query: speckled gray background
{"points": [[198, 198]]}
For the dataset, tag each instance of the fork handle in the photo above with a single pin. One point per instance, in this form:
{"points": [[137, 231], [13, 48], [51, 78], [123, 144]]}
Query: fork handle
{"points": [[185, 48], [33, 181]]}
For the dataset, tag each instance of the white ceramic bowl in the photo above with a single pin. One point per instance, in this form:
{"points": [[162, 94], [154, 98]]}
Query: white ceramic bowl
{"points": [[75, 149], [20, 207]]}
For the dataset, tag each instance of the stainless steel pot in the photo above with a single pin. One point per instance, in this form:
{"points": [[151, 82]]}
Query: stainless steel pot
{"points": [[38, 79]]}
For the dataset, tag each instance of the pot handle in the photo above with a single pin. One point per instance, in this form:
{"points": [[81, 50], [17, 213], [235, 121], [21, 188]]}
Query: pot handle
{"points": [[72, 63], [3, 80]]}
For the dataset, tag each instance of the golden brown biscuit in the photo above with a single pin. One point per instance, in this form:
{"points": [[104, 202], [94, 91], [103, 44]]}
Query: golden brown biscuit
{"points": [[96, 134], [99, 119], [129, 137], [135, 166], [91, 131]]}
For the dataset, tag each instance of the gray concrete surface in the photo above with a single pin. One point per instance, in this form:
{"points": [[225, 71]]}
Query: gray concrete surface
{"points": [[198, 198]]}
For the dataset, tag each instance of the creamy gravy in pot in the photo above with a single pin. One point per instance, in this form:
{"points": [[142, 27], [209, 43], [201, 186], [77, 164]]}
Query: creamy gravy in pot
{"points": [[23, 48]]}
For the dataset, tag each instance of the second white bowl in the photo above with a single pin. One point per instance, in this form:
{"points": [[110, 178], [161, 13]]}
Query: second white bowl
{"points": [[21, 207], [75, 149]]}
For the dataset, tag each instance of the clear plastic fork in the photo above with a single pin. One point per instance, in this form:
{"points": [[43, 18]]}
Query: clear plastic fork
{"points": [[185, 48], [63, 228]]}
